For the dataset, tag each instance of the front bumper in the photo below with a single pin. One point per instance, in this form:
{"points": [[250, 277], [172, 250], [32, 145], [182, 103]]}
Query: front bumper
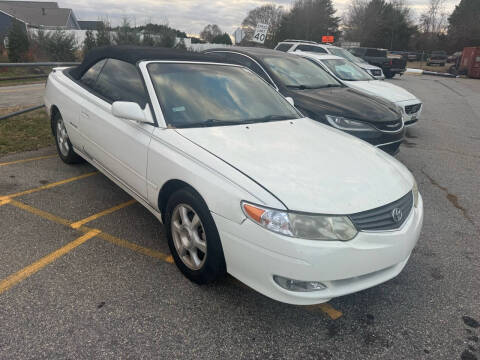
{"points": [[412, 118], [387, 141], [254, 255]]}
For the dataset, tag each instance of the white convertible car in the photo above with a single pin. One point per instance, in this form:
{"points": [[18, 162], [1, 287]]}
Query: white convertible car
{"points": [[243, 183], [355, 77]]}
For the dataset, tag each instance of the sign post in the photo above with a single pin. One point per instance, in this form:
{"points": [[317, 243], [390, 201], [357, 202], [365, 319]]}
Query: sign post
{"points": [[260, 33]]}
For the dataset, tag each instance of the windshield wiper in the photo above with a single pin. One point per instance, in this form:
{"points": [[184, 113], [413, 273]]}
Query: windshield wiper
{"points": [[267, 119], [305, 87], [299, 87], [328, 86], [218, 122], [211, 122]]}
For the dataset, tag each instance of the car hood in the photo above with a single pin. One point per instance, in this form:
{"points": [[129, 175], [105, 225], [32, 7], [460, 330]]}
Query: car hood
{"points": [[345, 102], [367, 66], [383, 89], [308, 166]]}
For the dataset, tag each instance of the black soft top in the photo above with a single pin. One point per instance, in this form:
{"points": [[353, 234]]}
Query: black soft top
{"points": [[134, 54]]}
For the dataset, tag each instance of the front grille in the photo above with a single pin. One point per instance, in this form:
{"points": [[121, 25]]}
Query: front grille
{"points": [[389, 125], [376, 72], [412, 109], [382, 218]]}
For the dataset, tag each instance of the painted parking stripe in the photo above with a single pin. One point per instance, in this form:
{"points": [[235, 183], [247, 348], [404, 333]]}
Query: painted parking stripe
{"points": [[4, 202], [326, 308], [28, 160], [48, 186], [41, 213], [105, 236], [21, 275], [77, 224], [137, 248]]}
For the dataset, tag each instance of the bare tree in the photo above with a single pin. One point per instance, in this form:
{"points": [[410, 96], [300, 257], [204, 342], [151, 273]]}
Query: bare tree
{"points": [[210, 32], [266, 14], [434, 19]]}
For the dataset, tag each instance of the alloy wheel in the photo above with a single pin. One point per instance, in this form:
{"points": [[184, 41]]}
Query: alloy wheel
{"points": [[62, 138], [189, 236]]}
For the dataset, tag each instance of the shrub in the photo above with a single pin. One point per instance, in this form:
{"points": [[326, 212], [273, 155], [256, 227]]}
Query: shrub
{"points": [[18, 43]]}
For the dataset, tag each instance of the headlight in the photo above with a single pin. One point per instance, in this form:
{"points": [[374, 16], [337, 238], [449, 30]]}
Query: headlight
{"points": [[347, 124], [415, 193], [311, 227]]}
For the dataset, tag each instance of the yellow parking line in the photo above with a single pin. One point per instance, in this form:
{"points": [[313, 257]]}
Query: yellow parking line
{"points": [[328, 309], [105, 236], [4, 202], [41, 213], [27, 160], [140, 249], [36, 266], [77, 224], [48, 186]]}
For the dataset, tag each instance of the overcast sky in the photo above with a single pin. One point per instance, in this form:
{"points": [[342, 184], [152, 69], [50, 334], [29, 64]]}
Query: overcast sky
{"points": [[192, 15]]}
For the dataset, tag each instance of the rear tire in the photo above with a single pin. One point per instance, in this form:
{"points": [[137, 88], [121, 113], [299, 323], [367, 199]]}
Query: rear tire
{"points": [[193, 237], [64, 146]]}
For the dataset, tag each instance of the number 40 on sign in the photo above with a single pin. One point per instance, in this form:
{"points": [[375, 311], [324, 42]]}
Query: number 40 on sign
{"points": [[260, 33]]}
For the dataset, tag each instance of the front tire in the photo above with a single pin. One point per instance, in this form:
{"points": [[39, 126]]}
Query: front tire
{"points": [[193, 237], [64, 146]]}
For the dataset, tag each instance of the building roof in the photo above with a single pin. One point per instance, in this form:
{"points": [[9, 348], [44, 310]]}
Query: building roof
{"points": [[89, 24], [34, 13], [134, 54]]}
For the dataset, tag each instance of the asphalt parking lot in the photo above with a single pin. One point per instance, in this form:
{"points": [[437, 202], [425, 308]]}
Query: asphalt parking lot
{"points": [[85, 271]]}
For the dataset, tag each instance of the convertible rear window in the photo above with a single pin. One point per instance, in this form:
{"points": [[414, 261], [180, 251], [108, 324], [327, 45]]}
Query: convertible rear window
{"points": [[121, 81], [194, 95], [91, 75]]}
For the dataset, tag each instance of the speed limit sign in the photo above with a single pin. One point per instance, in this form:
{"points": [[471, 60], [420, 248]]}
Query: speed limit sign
{"points": [[260, 33]]}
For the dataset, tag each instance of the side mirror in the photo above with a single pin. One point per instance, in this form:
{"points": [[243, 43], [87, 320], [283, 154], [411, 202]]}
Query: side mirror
{"points": [[290, 100], [130, 111]]}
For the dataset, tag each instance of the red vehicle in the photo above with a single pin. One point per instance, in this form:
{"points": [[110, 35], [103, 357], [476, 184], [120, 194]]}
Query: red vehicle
{"points": [[470, 62]]}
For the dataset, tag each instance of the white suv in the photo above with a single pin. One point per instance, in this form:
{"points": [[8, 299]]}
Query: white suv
{"points": [[313, 47]]}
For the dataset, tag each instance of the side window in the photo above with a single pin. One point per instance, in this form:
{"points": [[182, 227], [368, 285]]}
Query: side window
{"points": [[249, 63], [283, 47], [357, 52], [91, 75], [311, 48], [120, 81]]}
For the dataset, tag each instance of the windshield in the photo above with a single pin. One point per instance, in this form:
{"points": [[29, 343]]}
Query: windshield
{"points": [[346, 70], [296, 72], [344, 54], [195, 95]]}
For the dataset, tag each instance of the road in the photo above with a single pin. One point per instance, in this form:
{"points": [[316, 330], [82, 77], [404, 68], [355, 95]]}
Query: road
{"points": [[21, 95], [68, 292]]}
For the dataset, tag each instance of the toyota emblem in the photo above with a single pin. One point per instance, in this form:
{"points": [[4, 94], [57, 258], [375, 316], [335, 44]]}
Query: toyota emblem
{"points": [[397, 215]]}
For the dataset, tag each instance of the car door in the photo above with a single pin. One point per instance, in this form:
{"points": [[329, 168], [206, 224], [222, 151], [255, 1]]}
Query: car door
{"points": [[118, 145]]}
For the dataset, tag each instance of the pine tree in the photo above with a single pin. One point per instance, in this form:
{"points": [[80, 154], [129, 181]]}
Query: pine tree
{"points": [[18, 43], [310, 20], [464, 25], [90, 42]]}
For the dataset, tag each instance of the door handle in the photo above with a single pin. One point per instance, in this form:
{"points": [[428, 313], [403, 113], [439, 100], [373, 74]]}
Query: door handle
{"points": [[84, 114]]}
